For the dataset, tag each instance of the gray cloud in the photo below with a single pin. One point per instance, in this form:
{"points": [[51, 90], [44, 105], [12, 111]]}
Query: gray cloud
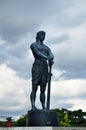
{"points": [[60, 102], [65, 24], [20, 18], [59, 39], [6, 113], [68, 21]]}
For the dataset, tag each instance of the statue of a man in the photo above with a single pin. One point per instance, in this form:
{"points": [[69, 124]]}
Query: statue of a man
{"points": [[43, 58]]}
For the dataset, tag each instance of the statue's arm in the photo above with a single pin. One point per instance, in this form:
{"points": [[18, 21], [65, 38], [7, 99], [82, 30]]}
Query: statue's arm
{"points": [[50, 56], [37, 52]]}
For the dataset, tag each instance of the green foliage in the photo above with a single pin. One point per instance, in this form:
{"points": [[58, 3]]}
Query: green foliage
{"points": [[71, 118], [1, 124], [21, 121], [65, 121]]}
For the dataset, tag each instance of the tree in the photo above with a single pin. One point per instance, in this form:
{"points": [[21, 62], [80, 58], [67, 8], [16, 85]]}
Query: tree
{"points": [[21, 121], [65, 121], [1, 123]]}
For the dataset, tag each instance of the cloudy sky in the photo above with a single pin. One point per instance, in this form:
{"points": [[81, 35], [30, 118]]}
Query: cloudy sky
{"points": [[65, 24]]}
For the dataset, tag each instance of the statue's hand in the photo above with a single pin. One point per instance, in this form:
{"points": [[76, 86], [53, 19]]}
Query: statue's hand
{"points": [[51, 62]]}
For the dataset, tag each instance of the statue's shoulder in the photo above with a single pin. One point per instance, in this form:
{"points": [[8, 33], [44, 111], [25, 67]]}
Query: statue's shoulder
{"points": [[33, 45], [47, 47]]}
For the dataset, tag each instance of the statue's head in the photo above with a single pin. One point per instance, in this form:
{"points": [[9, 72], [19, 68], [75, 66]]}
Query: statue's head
{"points": [[40, 36]]}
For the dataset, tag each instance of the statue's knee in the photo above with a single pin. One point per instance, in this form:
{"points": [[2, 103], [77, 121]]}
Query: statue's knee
{"points": [[43, 90], [34, 89]]}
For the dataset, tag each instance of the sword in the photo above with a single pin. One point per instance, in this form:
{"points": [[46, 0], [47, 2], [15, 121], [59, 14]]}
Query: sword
{"points": [[49, 86]]}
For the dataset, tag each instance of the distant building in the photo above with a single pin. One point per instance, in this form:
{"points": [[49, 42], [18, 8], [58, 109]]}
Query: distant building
{"points": [[8, 124]]}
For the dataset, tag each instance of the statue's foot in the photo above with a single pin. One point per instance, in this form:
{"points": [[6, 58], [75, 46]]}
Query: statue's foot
{"points": [[44, 109], [34, 108]]}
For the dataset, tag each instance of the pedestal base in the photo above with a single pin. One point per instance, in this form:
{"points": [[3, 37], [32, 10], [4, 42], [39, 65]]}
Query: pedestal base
{"points": [[42, 118]]}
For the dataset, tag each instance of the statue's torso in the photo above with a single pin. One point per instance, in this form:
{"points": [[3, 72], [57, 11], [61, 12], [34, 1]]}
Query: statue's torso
{"points": [[42, 49]]}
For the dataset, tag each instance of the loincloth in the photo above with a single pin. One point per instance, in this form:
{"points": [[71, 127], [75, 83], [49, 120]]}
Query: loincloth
{"points": [[39, 75]]}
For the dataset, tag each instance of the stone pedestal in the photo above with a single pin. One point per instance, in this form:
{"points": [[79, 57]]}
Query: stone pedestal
{"points": [[42, 118]]}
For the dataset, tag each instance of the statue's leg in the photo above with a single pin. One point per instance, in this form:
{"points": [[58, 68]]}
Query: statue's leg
{"points": [[42, 96], [33, 97]]}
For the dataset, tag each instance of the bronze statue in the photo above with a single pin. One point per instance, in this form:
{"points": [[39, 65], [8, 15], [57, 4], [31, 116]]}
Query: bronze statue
{"points": [[43, 59]]}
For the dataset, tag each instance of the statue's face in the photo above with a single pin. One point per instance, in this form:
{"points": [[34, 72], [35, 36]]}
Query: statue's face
{"points": [[42, 37]]}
